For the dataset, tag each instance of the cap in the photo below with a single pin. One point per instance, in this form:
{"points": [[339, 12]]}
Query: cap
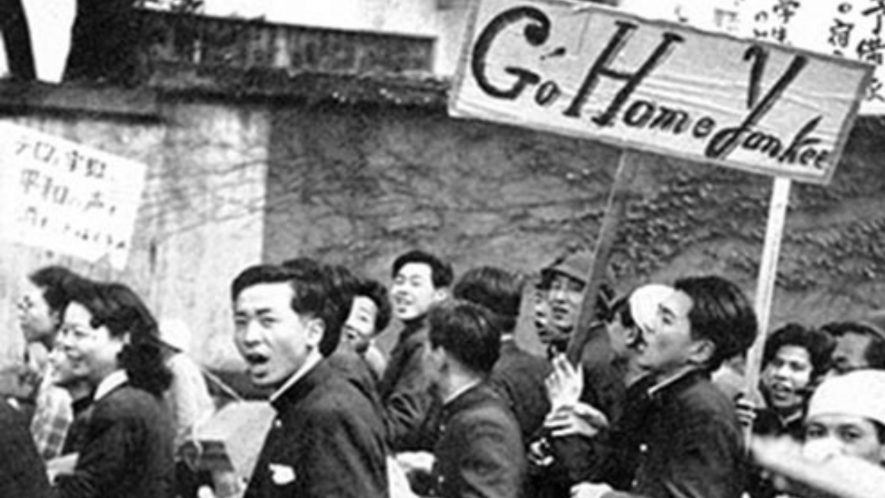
{"points": [[876, 321], [644, 303], [859, 393], [575, 265]]}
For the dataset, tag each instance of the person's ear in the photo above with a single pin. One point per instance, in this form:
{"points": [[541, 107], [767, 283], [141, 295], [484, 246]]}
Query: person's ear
{"points": [[701, 351], [316, 327], [440, 294]]}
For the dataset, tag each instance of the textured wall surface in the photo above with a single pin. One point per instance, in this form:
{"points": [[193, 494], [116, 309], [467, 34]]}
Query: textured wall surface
{"points": [[200, 221], [360, 186], [233, 181]]}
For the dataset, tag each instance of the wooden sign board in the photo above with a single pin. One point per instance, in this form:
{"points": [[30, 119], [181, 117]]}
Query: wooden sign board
{"points": [[588, 71]]}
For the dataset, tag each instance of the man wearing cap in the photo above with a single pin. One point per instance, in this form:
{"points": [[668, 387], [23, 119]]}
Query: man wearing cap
{"points": [[562, 460]]}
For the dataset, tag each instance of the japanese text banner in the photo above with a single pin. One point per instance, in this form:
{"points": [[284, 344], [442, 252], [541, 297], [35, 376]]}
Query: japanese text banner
{"points": [[65, 197], [853, 29], [588, 71]]}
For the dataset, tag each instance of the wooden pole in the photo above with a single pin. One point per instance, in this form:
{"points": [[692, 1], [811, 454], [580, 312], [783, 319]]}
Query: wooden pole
{"points": [[617, 206], [777, 213]]}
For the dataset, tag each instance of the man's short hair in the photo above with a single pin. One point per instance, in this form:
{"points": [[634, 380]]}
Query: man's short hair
{"points": [[875, 352], [57, 283], [466, 332], [441, 273], [377, 293], [311, 295], [818, 344], [496, 289], [720, 313]]}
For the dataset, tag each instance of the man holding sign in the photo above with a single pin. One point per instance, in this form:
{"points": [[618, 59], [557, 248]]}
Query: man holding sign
{"points": [[692, 445]]}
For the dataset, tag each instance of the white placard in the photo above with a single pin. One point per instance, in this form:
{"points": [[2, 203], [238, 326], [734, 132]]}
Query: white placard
{"points": [[66, 197]]}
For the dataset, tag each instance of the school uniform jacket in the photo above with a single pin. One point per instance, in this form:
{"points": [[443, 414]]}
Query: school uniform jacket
{"points": [[519, 376], [479, 453], [405, 392], [327, 441], [692, 445]]}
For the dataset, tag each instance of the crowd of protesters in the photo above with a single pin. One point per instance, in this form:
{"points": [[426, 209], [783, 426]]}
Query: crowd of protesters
{"points": [[651, 407]]}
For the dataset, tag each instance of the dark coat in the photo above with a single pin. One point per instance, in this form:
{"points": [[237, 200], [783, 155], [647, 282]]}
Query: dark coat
{"points": [[327, 441], [480, 451], [21, 469], [692, 443], [575, 458], [125, 444], [519, 376], [405, 392]]}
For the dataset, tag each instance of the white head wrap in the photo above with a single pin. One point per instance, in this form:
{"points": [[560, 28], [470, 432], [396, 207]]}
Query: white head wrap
{"points": [[645, 301], [859, 393]]}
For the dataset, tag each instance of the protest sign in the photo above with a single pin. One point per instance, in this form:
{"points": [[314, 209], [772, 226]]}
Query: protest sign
{"points": [[65, 197], [851, 29], [587, 71]]}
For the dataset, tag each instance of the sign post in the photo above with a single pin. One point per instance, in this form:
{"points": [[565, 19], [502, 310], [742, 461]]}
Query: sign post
{"points": [[618, 198], [587, 71], [777, 214]]}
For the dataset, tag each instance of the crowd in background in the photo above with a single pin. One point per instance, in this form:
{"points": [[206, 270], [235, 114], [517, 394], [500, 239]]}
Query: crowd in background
{"points": [[655, 405]]}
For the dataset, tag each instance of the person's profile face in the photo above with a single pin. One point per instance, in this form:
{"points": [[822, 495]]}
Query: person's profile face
{"points": [[666, 345], [34, 316], [273, 339], [828, 435], [621, 336]]}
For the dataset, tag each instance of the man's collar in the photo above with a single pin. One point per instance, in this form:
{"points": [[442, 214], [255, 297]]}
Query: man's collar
{"points": [[313, 358], [116, 379], [460, 391], [673, 378]]}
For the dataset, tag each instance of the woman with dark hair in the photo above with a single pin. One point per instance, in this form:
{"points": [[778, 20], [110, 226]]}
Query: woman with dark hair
{"points": [[794, 360], [124, 438]]}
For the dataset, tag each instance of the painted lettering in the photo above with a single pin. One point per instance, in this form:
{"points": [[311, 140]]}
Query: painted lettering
{"points": [[601, 67], [536, 33], [725, 141]]}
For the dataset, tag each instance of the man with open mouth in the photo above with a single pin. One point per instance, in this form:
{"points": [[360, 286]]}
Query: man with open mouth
{"points": [[327, 438]]}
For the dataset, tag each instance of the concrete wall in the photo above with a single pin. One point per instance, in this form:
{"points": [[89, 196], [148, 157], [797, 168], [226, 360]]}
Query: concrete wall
{"points": [[200, 221], [233, 181]]}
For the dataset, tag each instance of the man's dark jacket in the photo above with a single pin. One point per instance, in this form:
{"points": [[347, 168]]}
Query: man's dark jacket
{"points": [[692, 445], [480, 451], [326, 441]]}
